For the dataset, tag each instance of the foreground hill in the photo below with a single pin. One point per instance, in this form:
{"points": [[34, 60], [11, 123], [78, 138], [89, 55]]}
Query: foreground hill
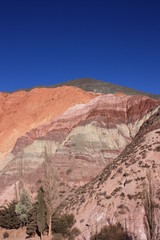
{"points": [[22, 111], [83, 140], [97, 86], [126, 191]]}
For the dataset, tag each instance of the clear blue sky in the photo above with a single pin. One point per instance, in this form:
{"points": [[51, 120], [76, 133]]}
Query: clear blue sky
{"points": [[52, 41]]}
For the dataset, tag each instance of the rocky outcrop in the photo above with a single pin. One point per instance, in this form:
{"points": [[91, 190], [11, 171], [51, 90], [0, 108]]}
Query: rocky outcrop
{"points": [[83, 140], [125, 190]]}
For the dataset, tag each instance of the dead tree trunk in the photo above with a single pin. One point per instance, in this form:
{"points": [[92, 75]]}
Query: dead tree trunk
{"points": [[149, 219]]}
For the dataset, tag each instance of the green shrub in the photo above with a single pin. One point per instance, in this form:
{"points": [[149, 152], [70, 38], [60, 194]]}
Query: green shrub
{"points": [[112, 232], [8, 217], [62, 224], [157, 149], [5, 235], [31, 226], [23, 207]]}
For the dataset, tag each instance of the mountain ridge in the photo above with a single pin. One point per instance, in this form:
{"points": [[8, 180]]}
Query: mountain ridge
{"points": [[96, 86]]}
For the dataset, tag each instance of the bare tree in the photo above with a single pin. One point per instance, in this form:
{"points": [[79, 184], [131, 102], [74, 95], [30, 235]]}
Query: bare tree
{"points": [[149, 207], [50, 187], [55, 190]]}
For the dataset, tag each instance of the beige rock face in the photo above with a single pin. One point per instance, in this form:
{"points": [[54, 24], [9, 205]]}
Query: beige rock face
{"points": [[118, 193], [22, 111]]}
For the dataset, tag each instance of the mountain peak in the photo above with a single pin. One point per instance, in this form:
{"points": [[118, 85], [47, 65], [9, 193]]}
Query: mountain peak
{"points": [[98, 86]]}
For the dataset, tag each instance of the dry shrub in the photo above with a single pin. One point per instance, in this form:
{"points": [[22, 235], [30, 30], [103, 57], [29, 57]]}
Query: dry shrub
{"points": [[112, 232]]}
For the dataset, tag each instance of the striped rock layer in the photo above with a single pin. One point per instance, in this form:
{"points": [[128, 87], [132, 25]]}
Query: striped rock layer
{"points": [[81, 141]]}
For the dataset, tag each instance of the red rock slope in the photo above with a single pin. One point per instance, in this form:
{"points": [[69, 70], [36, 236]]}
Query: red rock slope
{"points": [[21, 111]]}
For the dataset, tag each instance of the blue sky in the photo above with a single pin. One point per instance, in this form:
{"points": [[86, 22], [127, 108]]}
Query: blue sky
{"points": [[52, 41]]}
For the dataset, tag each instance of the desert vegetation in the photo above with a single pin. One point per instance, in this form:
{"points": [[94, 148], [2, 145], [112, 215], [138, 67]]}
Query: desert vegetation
{"points": [[35, 218], [8, 216], [112, 232], [42, 216], [62, 225]]}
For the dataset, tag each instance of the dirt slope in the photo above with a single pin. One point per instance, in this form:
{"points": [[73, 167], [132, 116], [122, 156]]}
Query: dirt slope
{"points": [[119, 193]]}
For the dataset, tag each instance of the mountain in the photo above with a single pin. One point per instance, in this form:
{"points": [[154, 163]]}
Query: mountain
{"points": [[107, 147], [83, 140], [97, 86], [126, 191]]}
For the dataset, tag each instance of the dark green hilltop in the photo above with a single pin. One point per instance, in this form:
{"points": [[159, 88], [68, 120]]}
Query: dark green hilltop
{"points": [[97, 86]]}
